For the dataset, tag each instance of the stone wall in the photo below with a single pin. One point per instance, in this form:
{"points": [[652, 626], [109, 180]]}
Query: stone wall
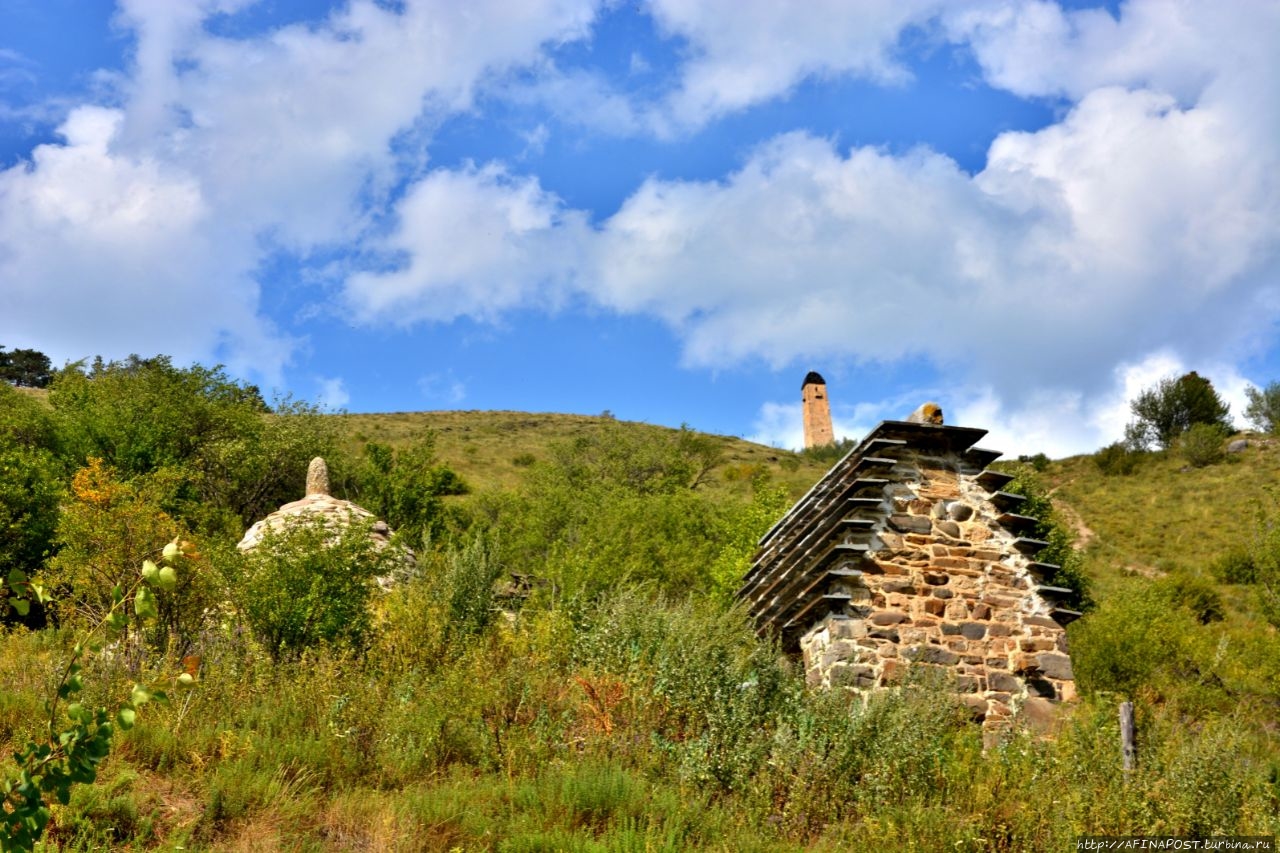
{"points": [[924, 564]]}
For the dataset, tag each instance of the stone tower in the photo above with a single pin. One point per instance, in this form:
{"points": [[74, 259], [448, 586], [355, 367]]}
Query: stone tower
{"points": [[817, 411]]}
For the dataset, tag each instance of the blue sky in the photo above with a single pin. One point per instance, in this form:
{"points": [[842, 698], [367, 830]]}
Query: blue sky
{"points": [[667, 209]]}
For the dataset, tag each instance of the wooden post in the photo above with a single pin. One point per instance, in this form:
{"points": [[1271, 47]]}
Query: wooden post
{"points": [[1127, 745]]}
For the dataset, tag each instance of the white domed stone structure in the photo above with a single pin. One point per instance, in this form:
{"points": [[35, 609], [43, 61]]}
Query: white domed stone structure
{"points": [[334, 513]]}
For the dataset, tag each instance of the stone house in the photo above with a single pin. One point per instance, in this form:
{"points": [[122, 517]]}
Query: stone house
{"points": [[908, 554]]}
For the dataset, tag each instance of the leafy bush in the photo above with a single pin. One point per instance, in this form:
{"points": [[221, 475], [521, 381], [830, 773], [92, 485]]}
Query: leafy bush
{"points": [[1132, 642], [468, 579], [1163, 413], [406, 487], [1117, 459], [829, 453], [79, 738], [1201, 445], [1039, 462], [106, 529], [1234, 567], [1263, 410], [31, 481], [1194, 594], [236, 460], [619, 503], [310, 584], [140, 415]]}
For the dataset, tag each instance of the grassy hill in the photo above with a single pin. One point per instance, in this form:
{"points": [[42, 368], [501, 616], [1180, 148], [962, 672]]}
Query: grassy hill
{"points": [[1166, 517], [625, 706], [495, 449]]}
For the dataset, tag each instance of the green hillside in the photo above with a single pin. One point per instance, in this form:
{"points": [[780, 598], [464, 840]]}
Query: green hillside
{"points": [[566, 669], [1167, 516], [495, 449]]}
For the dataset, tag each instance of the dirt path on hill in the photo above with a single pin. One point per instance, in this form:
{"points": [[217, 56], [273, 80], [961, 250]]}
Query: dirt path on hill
{"points": [[1084, 534]]}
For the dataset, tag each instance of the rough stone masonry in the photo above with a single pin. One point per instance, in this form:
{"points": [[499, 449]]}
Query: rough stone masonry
{"points": [[907, 554]]}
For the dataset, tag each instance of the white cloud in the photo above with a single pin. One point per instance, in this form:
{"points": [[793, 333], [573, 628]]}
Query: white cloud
{"points": [[583, 98], [743, 52], [474, 242], [143, 231], [333, 393], [778, 425], [1147, 218], [97, 252], [1034, 47]]}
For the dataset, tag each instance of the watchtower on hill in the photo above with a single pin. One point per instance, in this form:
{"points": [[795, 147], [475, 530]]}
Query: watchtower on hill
{"points": [[817, 411]]}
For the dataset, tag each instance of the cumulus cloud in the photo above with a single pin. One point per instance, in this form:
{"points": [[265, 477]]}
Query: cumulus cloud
{"points": [[743, 52], [98, 247], [1146, 221], [471, 242], [1142, 225], [145, 227]]}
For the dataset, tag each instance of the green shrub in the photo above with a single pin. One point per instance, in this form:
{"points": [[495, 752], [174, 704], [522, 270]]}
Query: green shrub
{"points": [[616, 504], [1134, 641], [406, 487], [310, 584], [1116, 460], [1263, 410], [1201, 445], [1039, 462], [1266, 561], [1194, 594], [106, 529], [1234, 567], [712, 694], [468, 584], [31, 482]]}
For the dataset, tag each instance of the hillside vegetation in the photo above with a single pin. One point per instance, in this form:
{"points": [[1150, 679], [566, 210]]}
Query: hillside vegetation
{"points": [[567, 670], [496, 449]]}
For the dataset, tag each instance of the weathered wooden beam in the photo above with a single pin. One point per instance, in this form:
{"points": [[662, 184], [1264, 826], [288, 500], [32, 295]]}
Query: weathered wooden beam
{"points": [[1128, 742], [980, 457], [1043, 570]]}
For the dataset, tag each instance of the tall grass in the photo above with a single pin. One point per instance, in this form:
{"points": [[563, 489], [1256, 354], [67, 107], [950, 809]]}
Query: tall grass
{"points": [[634, 722]]}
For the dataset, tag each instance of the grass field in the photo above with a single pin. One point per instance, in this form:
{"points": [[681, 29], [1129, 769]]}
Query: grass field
{"points": [[495, 449]]}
